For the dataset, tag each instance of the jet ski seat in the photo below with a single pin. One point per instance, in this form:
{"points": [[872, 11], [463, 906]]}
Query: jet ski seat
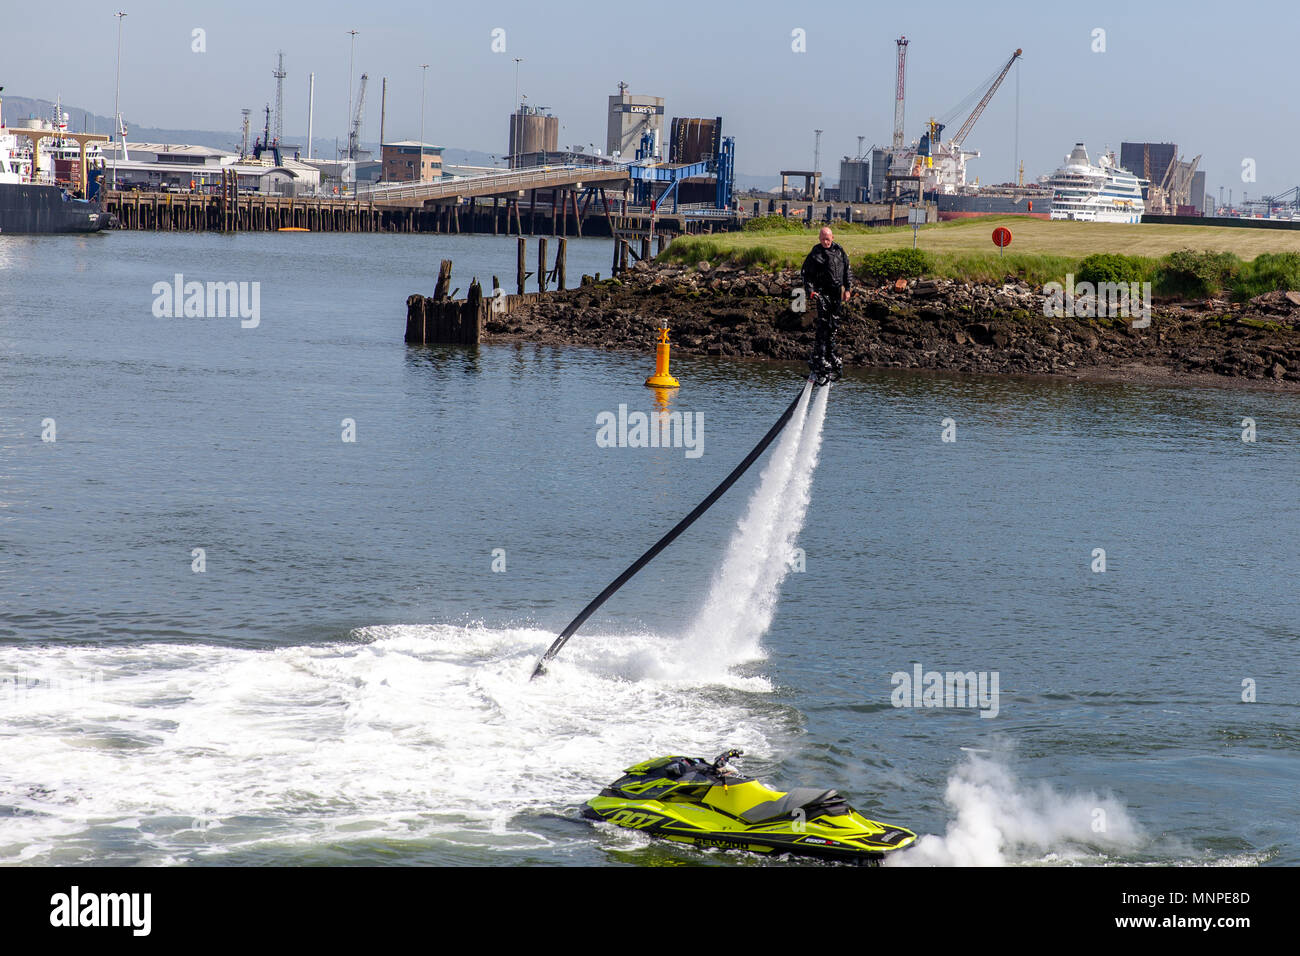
{"points": [[809, 799]]}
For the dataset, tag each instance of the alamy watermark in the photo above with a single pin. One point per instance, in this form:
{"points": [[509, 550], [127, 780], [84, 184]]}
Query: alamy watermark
{"points": [[35, 687], [946, 689], [1101, 300], [125, 910], [208, 300], [661, 429]]}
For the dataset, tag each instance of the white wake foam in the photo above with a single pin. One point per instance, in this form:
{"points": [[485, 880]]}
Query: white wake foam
{"points": [[408, 733]]}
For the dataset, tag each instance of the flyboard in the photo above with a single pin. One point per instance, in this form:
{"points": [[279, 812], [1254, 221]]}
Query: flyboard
{"points": [[671, 536]]}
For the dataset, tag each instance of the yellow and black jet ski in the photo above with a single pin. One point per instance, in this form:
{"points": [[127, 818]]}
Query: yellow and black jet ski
{"points": [[710, 804]]}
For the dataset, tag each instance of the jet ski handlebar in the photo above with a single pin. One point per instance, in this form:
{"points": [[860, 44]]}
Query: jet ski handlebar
{"points": [[720, 763]]}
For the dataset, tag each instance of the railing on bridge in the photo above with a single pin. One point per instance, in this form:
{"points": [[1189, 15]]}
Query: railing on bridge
{"points": [[506, 180]]}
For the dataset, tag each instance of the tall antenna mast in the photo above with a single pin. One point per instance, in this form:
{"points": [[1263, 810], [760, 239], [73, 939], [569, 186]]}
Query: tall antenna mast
{"points": [[279, 75]]}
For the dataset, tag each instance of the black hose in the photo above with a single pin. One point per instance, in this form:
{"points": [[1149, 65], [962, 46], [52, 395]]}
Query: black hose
{"points": [[667, 539]]}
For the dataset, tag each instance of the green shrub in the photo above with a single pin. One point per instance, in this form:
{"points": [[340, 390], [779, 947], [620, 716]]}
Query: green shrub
{"points": [[1196, 275], [775, 223], [1111, 267], [877, 268], [1268, 272]]}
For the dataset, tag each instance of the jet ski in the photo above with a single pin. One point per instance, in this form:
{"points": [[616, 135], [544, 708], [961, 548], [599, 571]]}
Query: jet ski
{"points": [[710, 804]]}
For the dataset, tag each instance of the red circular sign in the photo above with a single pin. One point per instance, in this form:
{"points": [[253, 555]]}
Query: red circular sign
{"points": [[1001, 237]]}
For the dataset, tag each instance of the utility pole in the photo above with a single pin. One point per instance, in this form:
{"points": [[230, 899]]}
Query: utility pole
{"points": [[817, 164], [383, 115], [514, 112], [424, 73], [117, 107], [311, 107]]}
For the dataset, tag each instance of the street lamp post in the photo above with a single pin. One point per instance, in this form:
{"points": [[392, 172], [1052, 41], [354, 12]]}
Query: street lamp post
{"points": [[117, 107], [351, 58], [424, 73]]}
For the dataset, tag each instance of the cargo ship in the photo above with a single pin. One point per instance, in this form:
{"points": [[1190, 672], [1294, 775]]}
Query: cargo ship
{"points": [[1033, 201], [28, 206]]}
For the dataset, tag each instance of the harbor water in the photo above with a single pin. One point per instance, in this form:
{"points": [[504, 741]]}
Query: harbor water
{"points": [[272, 585]]}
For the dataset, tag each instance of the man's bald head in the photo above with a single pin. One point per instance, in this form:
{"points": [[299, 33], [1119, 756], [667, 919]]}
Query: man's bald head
{"points": [[826, 237]]}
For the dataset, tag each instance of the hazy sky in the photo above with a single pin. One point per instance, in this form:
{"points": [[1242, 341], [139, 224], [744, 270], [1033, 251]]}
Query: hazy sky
{"points": [[1216, 78]]}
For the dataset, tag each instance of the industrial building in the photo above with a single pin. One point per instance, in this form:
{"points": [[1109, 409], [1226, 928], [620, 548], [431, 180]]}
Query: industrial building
{"points": [[1169, 178], [1197, 198], [167, 167], [631, 116], [855, 180], [533, 131], [411, 160]]}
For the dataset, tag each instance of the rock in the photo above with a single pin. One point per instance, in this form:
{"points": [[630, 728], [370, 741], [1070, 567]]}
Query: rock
{"points": [[702, 266]]}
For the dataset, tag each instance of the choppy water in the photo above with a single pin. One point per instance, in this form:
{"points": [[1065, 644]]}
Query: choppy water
{"points": [[345, 681]]}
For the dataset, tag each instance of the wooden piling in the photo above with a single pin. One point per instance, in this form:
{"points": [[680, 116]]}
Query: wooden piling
{"points": [[561, 263], [541, 264], [444, 280], [521, 271]]}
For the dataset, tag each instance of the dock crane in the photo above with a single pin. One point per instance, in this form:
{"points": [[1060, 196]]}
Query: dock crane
{"points": [[951, 158], [354, 134]]}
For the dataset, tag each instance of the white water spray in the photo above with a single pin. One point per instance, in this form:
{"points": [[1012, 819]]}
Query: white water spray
{"points": [[1001, 821], [741, 602]]}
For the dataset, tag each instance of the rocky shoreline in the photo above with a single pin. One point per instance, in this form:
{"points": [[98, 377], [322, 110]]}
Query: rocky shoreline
{"points": [[921, 324]]}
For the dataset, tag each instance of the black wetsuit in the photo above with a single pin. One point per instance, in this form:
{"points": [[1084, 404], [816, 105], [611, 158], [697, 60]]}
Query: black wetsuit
{"points": [[826, 272]]}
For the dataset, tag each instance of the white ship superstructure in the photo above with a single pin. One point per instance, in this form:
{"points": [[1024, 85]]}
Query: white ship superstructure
{"points": [[1100, 193]]}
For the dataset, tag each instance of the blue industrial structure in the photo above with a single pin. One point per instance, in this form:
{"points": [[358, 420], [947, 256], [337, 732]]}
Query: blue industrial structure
{"points": [[647, 171]]}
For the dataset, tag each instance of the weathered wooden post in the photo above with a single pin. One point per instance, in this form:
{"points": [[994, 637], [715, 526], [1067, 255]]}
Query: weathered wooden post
{"points": [[521, 271], [470, 314], [541, 264], [614, 268], [561, 262], [645, 248], [444, 280]]}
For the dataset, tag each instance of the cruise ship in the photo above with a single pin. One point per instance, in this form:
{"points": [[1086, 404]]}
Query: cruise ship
{"points": [[1100, 193]]}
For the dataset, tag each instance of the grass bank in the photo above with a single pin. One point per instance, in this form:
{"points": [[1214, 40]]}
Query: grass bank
{"points": [[1179, 260]]}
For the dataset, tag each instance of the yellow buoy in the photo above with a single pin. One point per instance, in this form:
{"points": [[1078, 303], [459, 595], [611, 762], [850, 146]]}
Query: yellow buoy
{"points": [[661, 378]]}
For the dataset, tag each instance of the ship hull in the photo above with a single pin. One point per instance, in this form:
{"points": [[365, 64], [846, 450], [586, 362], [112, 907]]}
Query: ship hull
{"points": [[967, 207], [34, 208]]}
